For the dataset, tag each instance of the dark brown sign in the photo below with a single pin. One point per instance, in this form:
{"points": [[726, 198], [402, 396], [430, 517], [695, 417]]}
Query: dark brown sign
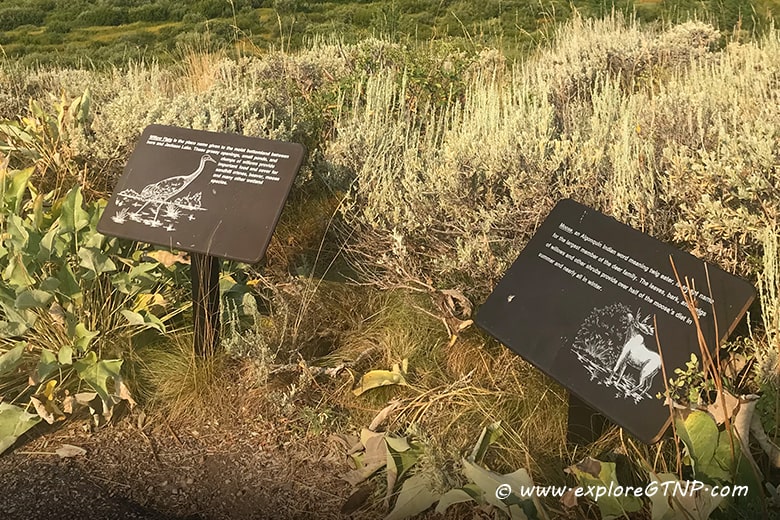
{"points": [[204, 192], [583, 300]]}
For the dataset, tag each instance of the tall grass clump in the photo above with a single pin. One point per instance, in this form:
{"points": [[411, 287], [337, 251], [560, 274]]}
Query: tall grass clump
{"points": [[174, 381]]}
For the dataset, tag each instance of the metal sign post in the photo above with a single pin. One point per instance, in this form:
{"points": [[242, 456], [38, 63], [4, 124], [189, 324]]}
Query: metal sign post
{"points": [[204, 271], [215, 195]]}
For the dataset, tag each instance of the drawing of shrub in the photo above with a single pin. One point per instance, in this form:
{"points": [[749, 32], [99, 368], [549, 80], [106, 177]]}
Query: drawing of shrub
{"points": [[602, 333]]}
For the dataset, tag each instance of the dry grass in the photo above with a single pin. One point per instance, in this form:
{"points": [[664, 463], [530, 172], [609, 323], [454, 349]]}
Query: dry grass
{"points": [[175, 382], [454, 390]]}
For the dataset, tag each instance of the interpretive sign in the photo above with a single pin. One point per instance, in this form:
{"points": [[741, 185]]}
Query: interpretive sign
{"points": [[204, 192], [586, 299], [212, 194]]}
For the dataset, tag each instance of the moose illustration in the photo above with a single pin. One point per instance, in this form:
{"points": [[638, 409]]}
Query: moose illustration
{"points": [[635, 353]]}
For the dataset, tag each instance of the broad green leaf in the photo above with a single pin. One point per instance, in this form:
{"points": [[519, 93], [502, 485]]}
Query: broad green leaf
{"points": [[69, 286], [490, 434], [14, 130], [95, 211], [47, 365], [700, 434], [7, 294], [65, 355], [73, 218], [82, 337], [79, 108], [47, 244], [377, 378], [37, 212], [95, 261], [100, 375], [400, 457], [16, 273], [144, 319], [133, 318], [16, 323], [399, 444], [415, 497], [139, 278], [33, 299], [594, 473], [399, 462], [93, 240], [17, 234], [142, 269], [724, 461], [53, 244], [14, 192], [710, 456], [12, 329], [14, 421], [12, 359], [50, 284], [676, 500]]}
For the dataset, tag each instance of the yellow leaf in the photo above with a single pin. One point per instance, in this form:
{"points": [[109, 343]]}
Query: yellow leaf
{"points": [[48, 390], [168, 259], [377, 378], [147, 301]]}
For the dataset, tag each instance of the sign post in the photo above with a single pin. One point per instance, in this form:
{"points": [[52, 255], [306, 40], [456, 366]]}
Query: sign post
{"points": [[587, 298], [212, 194], [204, 272]]}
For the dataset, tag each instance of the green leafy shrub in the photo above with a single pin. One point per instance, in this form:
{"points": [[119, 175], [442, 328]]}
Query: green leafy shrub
{"points": [[74, 298], [153, 12], [102, 15], [70, 298], [13, 17]]}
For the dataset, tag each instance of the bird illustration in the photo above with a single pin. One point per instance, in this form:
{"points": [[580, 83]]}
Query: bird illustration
{"points": [[162, 191]]}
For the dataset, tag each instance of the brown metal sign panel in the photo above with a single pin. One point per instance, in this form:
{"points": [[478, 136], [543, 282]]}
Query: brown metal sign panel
{"points": [[585, 300], [204, 192]]}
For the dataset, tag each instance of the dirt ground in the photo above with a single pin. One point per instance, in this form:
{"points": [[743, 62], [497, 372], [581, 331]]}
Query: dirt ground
{"points": [[237, 466]]}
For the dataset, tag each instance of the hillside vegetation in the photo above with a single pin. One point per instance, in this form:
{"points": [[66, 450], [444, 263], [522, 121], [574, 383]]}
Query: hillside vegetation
{"points": [[113, 31], [430, 166]]}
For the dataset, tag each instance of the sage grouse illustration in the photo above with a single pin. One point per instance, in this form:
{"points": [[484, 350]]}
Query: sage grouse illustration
{"points": [[145, 206], [611, 340]]}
